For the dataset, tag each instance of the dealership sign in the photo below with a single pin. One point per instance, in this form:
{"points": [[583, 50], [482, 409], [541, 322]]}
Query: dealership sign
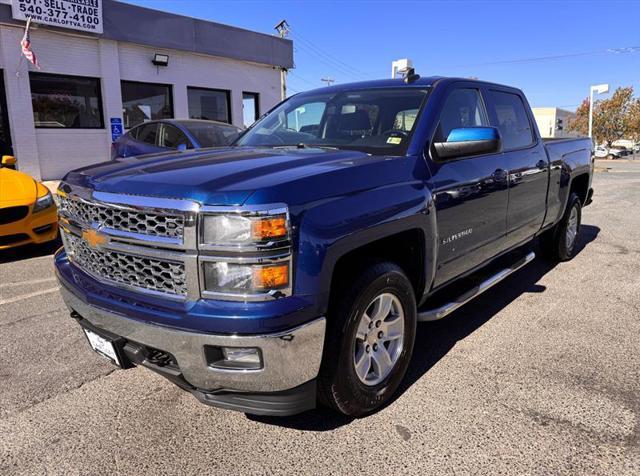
{"points": [[84, 15]]}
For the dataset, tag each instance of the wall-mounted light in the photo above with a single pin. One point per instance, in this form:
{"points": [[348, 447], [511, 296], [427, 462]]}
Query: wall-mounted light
{"points": [[160, 60]]}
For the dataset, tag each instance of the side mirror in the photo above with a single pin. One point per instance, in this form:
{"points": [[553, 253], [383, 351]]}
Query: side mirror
{"points": [[181, 147], [8, 161], [467, 141]]}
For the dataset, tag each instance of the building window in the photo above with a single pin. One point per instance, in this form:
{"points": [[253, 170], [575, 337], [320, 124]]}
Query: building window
{"points": [[209, 104], [66, 102], [144, 102], [250, 108]]}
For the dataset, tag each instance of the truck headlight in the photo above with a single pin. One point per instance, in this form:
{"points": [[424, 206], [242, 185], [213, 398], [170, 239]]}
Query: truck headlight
{"points": [[239, 230], [245, 279], [43, 203]]}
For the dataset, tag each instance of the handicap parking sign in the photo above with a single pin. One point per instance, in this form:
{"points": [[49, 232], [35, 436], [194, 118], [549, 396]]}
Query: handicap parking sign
{"points": [[116, 128]]}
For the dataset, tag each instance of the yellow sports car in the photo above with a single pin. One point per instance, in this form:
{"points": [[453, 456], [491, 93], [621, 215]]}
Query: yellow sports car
{"points": [[27, 210]]}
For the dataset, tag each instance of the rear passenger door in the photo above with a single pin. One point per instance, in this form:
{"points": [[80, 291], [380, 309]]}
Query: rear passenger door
{"points": [[470, 192], [526, 161]]}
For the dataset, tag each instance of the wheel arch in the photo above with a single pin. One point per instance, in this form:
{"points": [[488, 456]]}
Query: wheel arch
{"points": [[408, 244]]}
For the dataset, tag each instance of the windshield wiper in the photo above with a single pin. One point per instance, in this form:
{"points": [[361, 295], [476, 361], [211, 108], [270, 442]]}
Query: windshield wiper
{"points": [[302, 145]]}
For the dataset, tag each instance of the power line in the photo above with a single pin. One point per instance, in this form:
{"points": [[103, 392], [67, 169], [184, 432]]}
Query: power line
{"points": [[301, 78], [336, 63], [623, 50], [321, 52], [327, 61]]}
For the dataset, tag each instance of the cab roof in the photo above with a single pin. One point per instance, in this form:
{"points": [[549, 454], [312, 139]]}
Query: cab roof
{"points": [[424, 82]]}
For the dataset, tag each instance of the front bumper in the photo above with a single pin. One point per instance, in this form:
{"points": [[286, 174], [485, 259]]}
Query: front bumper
{"points": [[290, 358]]}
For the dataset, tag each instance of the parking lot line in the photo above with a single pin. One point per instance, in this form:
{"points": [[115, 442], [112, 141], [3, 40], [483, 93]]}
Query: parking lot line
{"points": [[27, 296], [31, 281]]}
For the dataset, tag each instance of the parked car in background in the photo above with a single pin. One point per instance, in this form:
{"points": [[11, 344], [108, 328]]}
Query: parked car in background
{"points": [[173, 134], [27, 210], [602, 152]]}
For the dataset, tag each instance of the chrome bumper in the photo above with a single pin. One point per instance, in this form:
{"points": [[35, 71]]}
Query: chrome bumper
{"points": [[289, 359]]}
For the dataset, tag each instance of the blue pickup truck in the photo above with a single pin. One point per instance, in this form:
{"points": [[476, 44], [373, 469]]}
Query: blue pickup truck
{"points": [[292, 267]]}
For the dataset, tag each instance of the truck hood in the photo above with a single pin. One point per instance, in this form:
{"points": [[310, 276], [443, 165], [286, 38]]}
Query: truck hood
{"points": [[226, 176]]}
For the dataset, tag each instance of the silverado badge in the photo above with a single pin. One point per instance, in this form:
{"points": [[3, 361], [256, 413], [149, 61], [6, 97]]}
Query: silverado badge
{"points": [[94, 238]]}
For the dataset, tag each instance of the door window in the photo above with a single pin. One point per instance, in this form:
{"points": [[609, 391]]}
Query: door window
{"points": [[511, 120], [172, 137], [463, 108], [149, 133]]}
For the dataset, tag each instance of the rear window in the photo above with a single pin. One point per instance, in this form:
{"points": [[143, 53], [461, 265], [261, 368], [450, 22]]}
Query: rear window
{"points": [[212, 135]]}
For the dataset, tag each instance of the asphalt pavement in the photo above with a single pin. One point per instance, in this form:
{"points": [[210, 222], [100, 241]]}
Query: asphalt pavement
{"points": [[541, 375]]}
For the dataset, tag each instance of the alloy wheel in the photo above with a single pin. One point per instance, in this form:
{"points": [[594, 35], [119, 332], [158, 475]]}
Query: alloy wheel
{"points": [[379, 339]]}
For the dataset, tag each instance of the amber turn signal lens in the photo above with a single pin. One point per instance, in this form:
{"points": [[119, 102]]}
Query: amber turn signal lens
{"points": [[269, 228], [271, 277]]}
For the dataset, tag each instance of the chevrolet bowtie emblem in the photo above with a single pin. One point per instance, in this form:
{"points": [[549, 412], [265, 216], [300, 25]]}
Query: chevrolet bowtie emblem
{"points": [[94, 238]]}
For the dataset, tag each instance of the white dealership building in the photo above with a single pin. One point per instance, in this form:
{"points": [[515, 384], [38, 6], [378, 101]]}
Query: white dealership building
{"points": [[107, 66], [553, 122]]}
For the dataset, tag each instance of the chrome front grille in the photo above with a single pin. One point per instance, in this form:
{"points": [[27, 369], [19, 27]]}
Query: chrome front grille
{"points": [[150, 244], [123, 218], [149, 273]]}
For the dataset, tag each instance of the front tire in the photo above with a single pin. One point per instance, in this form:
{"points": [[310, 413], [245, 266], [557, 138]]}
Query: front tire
{"points": [[560, 243], [370, 336]]}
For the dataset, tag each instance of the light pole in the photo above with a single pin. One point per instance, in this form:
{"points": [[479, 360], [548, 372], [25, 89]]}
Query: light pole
{"points": [[599, 89]]}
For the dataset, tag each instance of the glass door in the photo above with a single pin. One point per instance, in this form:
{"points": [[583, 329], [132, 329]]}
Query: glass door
{"points": [[5, 134]]}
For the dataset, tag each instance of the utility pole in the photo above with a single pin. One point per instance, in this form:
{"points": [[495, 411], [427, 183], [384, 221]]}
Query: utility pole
{"points": [[328, 80], [283, 30]]}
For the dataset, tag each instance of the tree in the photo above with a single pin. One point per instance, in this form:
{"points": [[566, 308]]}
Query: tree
{"points": [[580, 123], [611, 117], [632, 125]]}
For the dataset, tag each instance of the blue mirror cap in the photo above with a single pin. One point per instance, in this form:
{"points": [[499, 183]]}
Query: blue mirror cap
{"points": [[182, 147], [466, 134]]}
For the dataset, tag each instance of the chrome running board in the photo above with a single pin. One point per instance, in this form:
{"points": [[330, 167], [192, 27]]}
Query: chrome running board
{"points": [[446, 309]]}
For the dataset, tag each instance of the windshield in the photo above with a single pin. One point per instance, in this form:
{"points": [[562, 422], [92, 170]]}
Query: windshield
{"points": [[212, 135], [376, 121]]}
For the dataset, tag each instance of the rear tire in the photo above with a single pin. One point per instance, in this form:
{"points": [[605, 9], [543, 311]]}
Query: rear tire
{"points": [[559, 243], [370, 336]]}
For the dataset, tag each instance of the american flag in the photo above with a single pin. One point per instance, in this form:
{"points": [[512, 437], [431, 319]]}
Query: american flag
{"points": [[26, 46]]}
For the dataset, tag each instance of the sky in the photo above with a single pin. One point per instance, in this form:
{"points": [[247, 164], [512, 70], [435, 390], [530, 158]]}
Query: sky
{"points": [[553, 50]]}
